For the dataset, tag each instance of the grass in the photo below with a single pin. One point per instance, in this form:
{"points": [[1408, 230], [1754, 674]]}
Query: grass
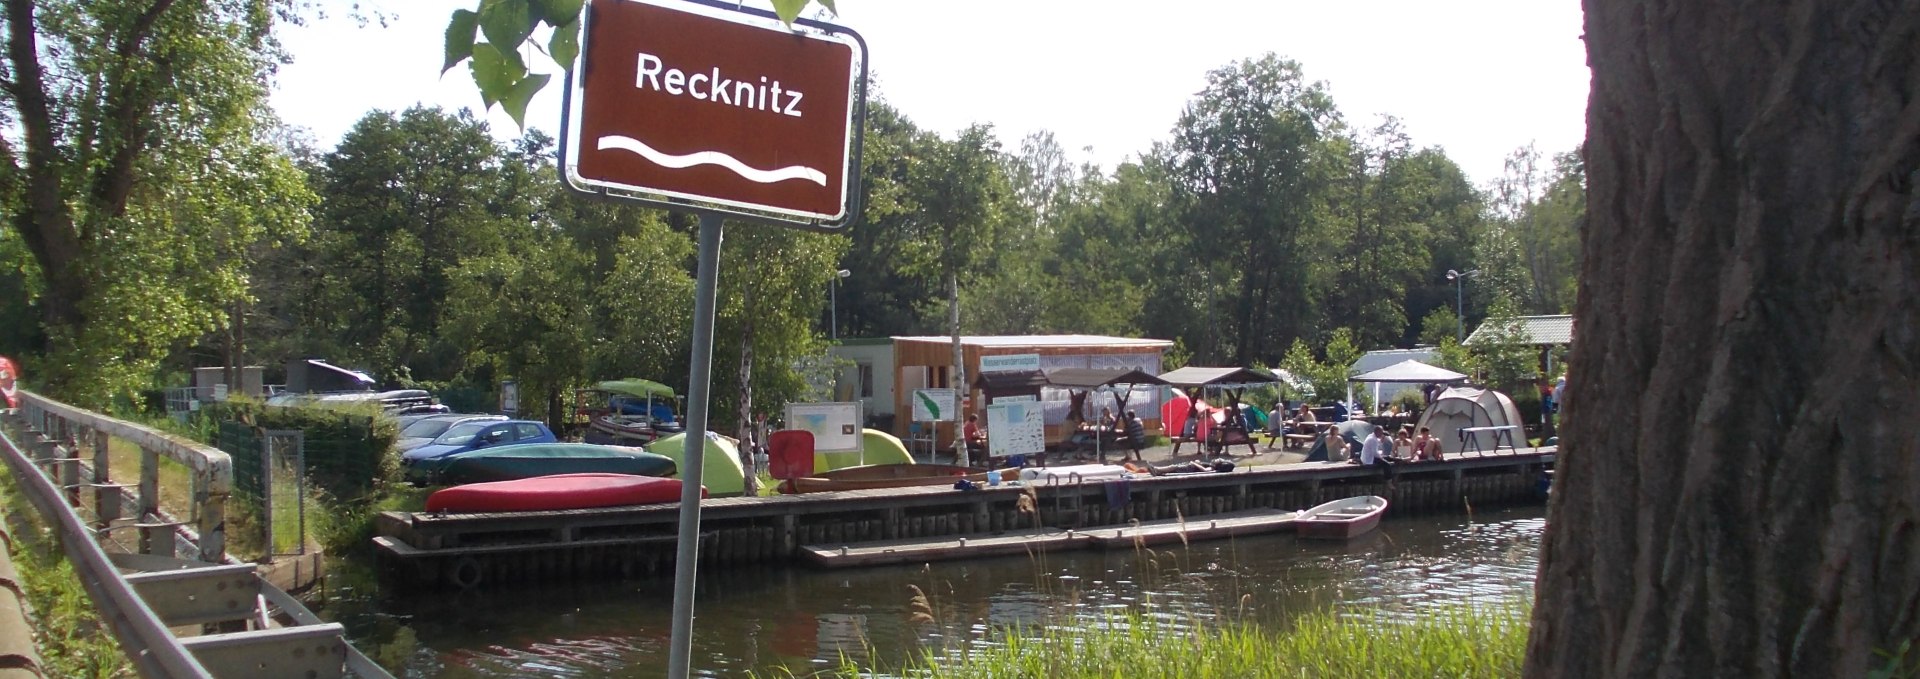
{"points": [[1454, 642], [70, 637]]}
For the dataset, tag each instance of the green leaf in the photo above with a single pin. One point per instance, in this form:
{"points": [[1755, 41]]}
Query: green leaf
{"points": [[460, 37], [506, 23], [789, 9], [565, 44], [515, 103], [558, 12], [829, 5], [495, 72]]}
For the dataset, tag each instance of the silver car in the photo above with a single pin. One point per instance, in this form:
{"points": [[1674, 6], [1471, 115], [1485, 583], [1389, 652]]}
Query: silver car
{"points": [[424, 430]]}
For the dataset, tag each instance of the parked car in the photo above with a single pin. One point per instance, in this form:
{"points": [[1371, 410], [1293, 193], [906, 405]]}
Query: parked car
{"points": [[419, 463], [422, 431]]}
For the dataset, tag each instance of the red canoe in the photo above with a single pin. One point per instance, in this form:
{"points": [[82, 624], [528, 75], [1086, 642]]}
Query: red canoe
{"points": [[561, 491]]}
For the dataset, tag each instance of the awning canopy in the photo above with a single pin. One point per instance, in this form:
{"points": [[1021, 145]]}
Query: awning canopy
{"points": [[1229, 378], [1093, 378], [1409, 371], [634, 386]]}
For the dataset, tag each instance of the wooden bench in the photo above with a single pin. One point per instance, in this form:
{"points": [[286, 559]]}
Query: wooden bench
{"points": [[1469, 436], [1297, 441]]}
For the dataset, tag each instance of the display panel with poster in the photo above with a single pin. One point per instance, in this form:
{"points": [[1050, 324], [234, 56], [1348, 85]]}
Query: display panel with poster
{"points": [[1016, 428], [934, 405], [835, 426]]}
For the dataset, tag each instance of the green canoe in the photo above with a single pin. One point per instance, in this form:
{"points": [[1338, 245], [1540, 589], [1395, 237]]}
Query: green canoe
{"points": [[507, 463]]}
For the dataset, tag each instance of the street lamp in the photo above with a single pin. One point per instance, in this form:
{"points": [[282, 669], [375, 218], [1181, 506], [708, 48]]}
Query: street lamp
{"points": [[833, 304], [1460, 300]]}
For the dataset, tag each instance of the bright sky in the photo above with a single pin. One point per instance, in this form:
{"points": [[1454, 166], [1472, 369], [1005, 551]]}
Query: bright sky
{"points": [[1477, 77]]}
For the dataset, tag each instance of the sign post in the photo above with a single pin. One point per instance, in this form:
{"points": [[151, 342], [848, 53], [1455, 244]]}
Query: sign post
{"points": [[707, 107]]}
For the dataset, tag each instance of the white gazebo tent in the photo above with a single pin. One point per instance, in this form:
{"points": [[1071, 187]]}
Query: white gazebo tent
{"points": [[1404, 371]]}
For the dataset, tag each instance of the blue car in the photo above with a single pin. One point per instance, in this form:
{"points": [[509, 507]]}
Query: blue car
{"points": [[419, 463]]}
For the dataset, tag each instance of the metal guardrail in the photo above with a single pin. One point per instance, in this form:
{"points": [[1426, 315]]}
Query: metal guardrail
{"points": [[152, 648], [143, 632], [212, 473]]}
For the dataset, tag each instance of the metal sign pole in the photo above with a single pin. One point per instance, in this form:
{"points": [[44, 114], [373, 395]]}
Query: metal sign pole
{"points": [[694, 447]]}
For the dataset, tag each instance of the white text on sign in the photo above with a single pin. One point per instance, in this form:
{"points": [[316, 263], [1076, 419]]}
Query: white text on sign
{"points": [[763, 96]]}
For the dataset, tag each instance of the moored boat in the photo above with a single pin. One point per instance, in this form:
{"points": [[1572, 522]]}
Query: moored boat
{"points": [[549, 493], [1341, 519], [507, 463], [627, 412], [1072, 473]]}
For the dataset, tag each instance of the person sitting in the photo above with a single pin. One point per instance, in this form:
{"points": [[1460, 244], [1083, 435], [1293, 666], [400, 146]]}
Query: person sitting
{"points": [[975, 437], [1305, 422], [1377, 450], [1336, 445], [1426, 447], [1277, 420], [1403, 445], [1085, 434]]}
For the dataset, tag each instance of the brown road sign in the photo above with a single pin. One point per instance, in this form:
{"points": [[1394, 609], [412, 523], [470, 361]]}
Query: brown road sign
{"points": [[688, 100]]}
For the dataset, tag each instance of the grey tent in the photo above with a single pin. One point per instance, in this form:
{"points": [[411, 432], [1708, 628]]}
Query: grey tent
{"points": [[1462, 407]]}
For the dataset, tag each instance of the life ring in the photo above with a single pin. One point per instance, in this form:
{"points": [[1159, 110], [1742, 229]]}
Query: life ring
{"points": [[466, 573]]}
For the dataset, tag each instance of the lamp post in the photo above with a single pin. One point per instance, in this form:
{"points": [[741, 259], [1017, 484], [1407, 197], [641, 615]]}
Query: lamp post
{"points": [[833, 304], [1460, 300]]}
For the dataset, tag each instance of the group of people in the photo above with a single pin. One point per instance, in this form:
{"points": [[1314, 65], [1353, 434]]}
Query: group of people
{"points": [[1382, 449]]}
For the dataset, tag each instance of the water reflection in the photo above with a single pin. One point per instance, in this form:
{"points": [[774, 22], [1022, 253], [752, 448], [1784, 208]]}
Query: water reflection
{"points": [[761, 618]]}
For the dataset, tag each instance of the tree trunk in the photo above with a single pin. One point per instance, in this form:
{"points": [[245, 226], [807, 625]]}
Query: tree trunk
{"points": [[959, 382], [45, 221], [745, 419], [1737, 492]]}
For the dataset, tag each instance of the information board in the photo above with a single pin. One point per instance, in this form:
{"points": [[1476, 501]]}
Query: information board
{"points": [[1017, 428], [835, 426]]}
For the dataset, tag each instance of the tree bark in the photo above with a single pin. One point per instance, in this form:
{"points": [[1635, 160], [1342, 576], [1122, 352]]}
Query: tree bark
{"points": [[1737, 492]]}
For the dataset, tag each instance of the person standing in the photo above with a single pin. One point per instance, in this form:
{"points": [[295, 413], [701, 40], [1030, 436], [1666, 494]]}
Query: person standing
{"points": [[1136, 434]]}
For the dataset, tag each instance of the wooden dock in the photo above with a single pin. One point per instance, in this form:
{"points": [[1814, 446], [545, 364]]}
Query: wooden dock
{"points": [[1041, 540], [1208, 527], [464, 549], [1031, 541]]}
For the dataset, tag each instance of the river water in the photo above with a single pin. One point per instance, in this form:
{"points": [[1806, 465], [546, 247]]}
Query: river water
{"points": [[761, 620]]}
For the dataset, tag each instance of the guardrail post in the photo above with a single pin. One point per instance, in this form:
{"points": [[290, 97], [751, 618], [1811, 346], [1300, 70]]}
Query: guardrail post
{"points": [[212, 509], [106, 500], [150, 499]]}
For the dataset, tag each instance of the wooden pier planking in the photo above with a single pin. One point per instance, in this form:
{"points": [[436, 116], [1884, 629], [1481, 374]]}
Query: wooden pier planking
{"points": [[1205, 527], [885, 552]]}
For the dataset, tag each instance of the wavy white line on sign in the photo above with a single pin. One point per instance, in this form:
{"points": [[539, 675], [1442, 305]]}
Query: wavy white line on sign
{"points": [[614, 141]]}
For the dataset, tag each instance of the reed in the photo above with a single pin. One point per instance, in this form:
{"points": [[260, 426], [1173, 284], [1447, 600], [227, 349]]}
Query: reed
{"points": [[1487, 641]]}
